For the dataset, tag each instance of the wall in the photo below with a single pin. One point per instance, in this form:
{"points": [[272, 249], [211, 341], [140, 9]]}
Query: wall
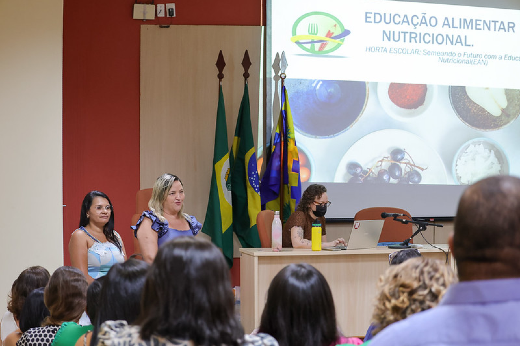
{"points": [[101, 97], [30, 138]]}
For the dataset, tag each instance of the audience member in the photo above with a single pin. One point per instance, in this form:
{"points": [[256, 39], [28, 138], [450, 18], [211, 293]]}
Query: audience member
{"points": [[187, 300], [394, 258], [297, 231], [413, 286], [484, 307], [28, 280], [95, 246], [32, 315], [93, 297], [165, 220], [69, 332], [120, 297], [300, 309], [65, 297], [400, 256]]}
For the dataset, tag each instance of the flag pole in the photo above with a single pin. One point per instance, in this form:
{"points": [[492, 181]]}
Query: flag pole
{"points": [[283, 67], [218, 223]]}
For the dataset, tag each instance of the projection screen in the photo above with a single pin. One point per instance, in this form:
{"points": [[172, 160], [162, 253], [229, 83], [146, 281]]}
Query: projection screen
{"points": [[399, 103]]}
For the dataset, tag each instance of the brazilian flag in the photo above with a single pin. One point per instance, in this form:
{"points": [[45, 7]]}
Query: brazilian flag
{"points": [[245, 188], [219, 215]]}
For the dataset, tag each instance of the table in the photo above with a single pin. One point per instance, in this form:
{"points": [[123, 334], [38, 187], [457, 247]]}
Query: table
{"points": [[352, 276]]}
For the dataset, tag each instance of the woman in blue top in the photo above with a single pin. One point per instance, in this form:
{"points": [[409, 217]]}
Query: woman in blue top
{"points": [[95, 246], [165, 220]]}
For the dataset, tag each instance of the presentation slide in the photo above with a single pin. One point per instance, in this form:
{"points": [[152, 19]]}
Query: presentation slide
{"points": [[399, 104]]}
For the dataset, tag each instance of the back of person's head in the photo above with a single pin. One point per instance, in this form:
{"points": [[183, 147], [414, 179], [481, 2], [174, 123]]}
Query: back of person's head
{"points": [[415, 285], [188, 295], [93, 294], [486, 240], [34, 310], [399, 257], [28, 280], [300, 309], [65, 295], [120, 297]]}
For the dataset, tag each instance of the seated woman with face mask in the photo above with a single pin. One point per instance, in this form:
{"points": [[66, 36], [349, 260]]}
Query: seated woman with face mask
{"points": [[297, 231]]}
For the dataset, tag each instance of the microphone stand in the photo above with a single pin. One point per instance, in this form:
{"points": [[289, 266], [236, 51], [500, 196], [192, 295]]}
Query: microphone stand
{"points": [[421, 227]]}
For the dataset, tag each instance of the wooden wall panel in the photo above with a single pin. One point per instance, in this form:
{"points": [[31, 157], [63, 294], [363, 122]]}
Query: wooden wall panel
{"points": [[179, 94]]}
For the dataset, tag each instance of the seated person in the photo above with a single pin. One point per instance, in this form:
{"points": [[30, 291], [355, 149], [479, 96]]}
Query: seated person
{"points": [[300, 309], [394, 258], [120, 298], [187, 300], [28, 280], [484, 306], [413, 286], [166, 219], [95, 246], [65, 296], [297, 231], [32, 315]]}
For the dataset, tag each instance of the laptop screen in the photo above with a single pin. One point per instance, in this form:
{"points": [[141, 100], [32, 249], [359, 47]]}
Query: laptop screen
{"points": [[365, 234]]}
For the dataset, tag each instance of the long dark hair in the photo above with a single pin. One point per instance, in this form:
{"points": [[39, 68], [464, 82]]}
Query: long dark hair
{"points": [[120, 297], [108, 229], [188, 295], [93, 297], [300, 309], [34, 311]]}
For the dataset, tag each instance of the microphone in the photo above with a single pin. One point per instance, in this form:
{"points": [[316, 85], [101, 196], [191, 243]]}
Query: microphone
{"points": [[385, 215]]}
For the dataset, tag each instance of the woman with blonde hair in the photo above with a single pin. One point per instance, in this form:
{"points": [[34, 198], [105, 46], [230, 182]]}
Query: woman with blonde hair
{"points": [[413, 286], [165, 220]]}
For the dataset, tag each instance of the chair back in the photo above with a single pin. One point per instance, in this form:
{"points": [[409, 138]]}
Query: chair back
{"points": [[393, 231], [264, 223]]}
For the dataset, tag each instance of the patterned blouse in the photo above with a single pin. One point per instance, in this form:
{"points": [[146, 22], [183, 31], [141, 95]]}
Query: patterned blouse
{"points": [[39, 336], [119, 333], [164, 232]]}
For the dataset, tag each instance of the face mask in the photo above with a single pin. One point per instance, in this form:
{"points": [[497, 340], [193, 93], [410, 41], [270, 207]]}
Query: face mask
{"points": [[320, 211]]}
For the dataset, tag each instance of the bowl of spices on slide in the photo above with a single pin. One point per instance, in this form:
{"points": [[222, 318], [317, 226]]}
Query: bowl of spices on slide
{"points": [[325, 108], [403, 101], [477, 159], [485, 109]]}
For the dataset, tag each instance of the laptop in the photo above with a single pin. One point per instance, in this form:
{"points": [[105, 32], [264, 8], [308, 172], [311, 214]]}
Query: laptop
{"points": [[365, 234]]}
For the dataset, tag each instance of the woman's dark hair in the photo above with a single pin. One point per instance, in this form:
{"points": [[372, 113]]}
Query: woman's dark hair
{"points": [[34, 311], [65, 296], [300, 309], [188, 295], [28, 280], [312, 192], [108, 229], [93, 295], [120, 297]]}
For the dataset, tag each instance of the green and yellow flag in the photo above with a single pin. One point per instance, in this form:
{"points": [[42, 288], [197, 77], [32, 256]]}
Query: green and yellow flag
{"points": [[219, 215], [245, 187]]}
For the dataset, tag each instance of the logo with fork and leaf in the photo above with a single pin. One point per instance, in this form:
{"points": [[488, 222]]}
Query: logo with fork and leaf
{"points": [[318, 33]]}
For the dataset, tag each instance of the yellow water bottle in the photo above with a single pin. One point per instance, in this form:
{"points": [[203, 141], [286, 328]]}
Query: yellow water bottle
{"points": [[316, 235]]}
